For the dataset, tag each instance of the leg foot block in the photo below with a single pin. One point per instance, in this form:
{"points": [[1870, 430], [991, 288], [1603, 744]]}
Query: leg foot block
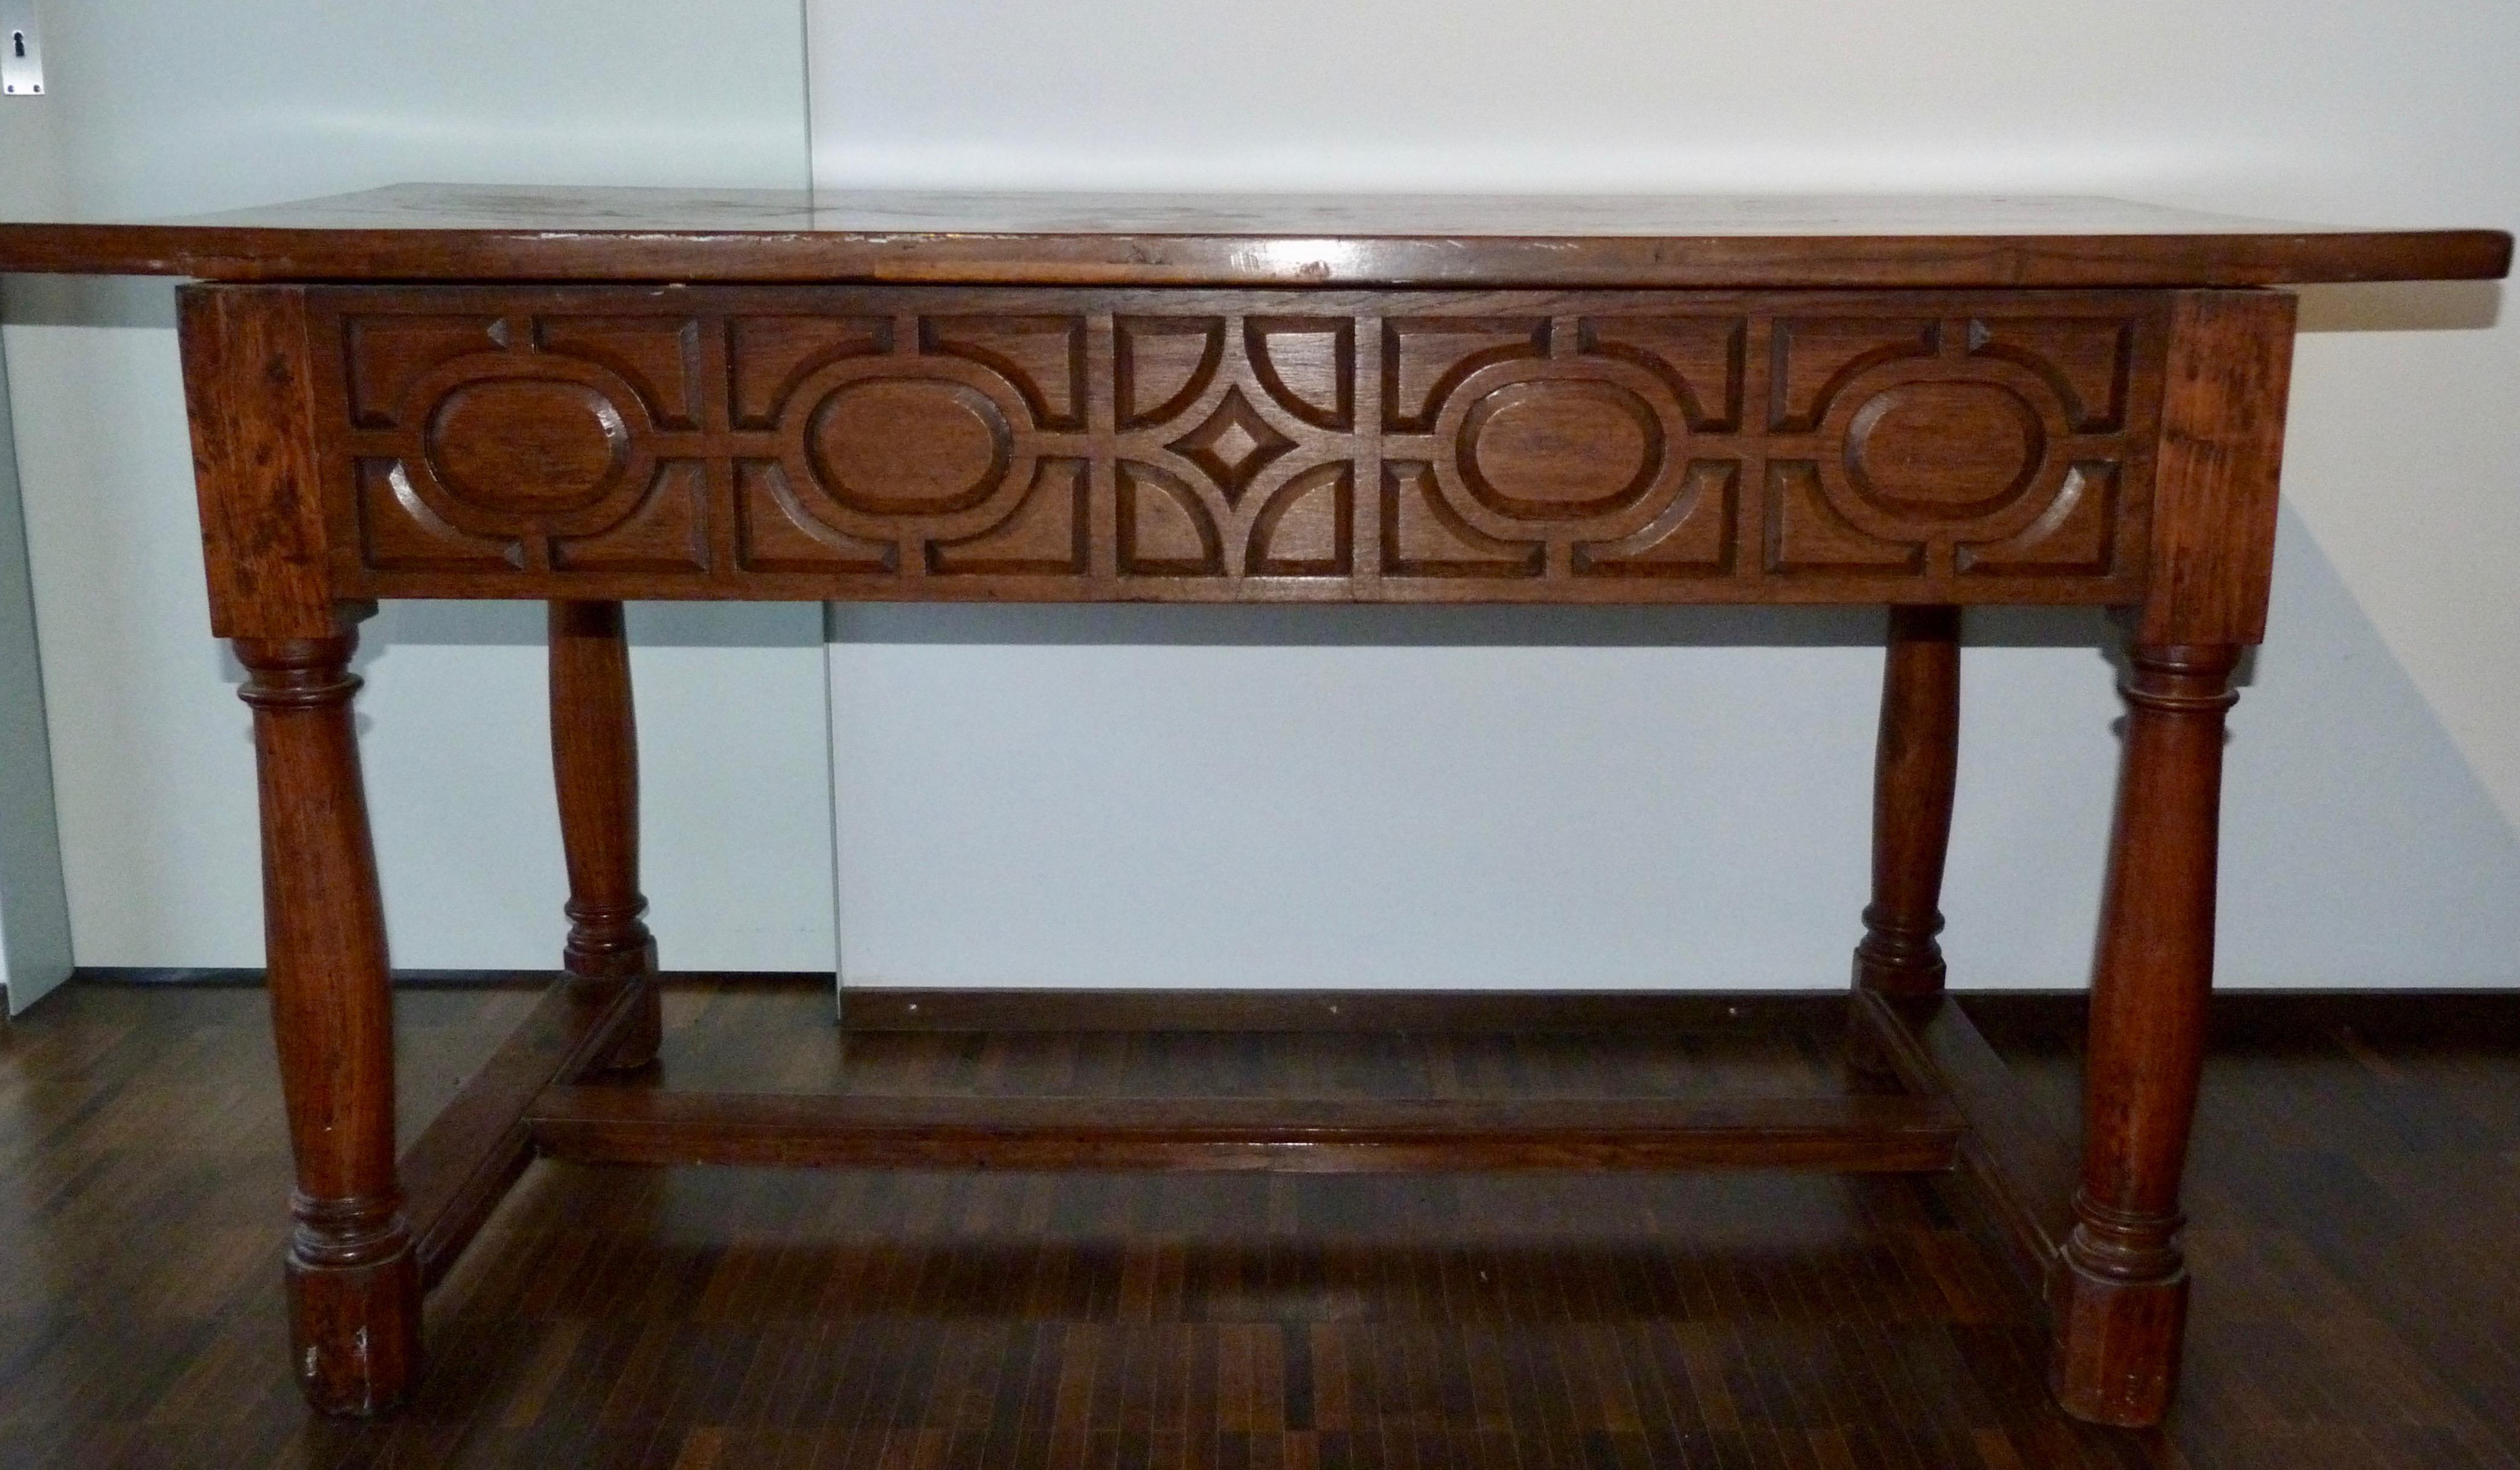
{"points": [[354, 1333], [2116, 1352], [642, 1031], [1899, 963], [642, 1035]]}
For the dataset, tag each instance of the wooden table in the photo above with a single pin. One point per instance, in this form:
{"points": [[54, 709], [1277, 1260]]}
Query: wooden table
{"points": [[591, 395]]}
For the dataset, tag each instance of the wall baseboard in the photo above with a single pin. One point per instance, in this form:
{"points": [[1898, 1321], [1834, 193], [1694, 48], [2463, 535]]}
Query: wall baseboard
{"points": [[248, 976], [2038, 1016]]}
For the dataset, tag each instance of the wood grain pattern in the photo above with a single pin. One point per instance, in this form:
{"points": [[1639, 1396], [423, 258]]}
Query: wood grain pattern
{"points": [[1915, 767], [594, 768], [454, 1173], [420, 231], [597, 1124], [2222, 450], [2353, 1314], [2119, 1290], [248, 372], [1922, 404], [353, 1276], [2019, 1158], [1059, 445]]}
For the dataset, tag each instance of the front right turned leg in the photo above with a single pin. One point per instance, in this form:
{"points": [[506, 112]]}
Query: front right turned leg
{"points": [[2118, 1292]]}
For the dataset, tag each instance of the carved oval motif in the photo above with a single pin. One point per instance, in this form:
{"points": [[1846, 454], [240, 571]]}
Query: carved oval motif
{"points": [[1946, 450], [526, 446], [915, 445], [1559, 449]]}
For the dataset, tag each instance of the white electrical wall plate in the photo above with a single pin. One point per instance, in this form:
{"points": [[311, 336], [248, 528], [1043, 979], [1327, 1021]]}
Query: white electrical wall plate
{"points": [[21, 50]]}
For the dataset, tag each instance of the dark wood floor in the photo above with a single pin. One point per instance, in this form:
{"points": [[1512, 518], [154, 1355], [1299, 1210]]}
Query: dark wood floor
{"points": [[2356, 1205]]}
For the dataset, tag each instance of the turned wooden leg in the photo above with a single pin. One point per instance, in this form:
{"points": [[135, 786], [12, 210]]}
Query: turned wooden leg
{"points": [[353, 1278], [2119, 1290], [1912, 774], [595, 761]]}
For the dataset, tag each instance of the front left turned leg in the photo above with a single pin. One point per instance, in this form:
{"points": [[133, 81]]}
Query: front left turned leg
{"points": [[595, 764], [353, 1276], [2120, 1287]]}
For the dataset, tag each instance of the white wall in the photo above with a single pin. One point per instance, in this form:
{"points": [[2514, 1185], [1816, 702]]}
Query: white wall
{"points": [[34, 912], [1403, 798], [34, 918], [1374, 798], [168, 106]]}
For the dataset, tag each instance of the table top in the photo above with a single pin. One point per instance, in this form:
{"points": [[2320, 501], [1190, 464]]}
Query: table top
{"points": [[450, 232]]}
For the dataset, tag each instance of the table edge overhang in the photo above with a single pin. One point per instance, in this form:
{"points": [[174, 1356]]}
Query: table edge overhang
{"points": [[2026, 261]]}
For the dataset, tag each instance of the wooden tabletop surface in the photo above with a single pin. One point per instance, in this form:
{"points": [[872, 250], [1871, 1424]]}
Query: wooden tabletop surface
{"points": [[420, 232]]}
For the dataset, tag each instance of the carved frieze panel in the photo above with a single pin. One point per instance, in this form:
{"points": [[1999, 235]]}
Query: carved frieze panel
{"points": [[1072, 444]]}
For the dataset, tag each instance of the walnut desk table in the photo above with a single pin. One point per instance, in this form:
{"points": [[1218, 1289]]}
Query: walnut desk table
{"points": [[590, 395]]}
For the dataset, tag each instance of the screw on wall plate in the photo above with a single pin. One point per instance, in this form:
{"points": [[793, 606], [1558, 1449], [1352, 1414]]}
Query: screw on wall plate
{"points": [[22, 60]]}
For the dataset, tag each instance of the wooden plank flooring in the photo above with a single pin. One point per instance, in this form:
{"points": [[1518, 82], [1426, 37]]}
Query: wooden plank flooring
{"points": [[2356, 1203]]}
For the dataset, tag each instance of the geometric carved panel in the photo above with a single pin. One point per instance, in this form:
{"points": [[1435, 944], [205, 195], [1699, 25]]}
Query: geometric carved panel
{"points": [[1066, 444], [1957, 448]]}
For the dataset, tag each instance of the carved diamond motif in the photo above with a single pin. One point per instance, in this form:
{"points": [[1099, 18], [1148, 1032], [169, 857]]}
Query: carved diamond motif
{"points": [[1233, 446], [1387, 445]]}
